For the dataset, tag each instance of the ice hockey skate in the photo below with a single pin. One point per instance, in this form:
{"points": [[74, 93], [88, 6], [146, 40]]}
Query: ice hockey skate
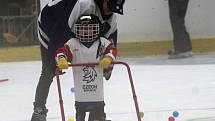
{"points": [[174, 54], [39, 114]]}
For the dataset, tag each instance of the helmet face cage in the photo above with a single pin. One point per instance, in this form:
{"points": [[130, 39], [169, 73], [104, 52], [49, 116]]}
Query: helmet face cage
{"points": [[86, 29]]}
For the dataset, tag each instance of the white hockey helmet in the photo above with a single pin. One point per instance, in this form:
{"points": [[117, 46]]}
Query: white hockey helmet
{"points": [[86, 28]]}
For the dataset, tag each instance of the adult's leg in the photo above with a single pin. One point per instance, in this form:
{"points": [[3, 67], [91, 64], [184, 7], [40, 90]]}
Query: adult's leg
{"points": [[46, 78], [42, 90], [177, 12]]}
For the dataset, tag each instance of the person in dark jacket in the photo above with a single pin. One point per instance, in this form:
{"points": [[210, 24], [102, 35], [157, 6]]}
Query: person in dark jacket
{"points": [[181, 38], [55, 27]]}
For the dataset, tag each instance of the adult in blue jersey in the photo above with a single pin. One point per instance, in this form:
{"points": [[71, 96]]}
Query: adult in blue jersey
{"points": [[55, 27]]}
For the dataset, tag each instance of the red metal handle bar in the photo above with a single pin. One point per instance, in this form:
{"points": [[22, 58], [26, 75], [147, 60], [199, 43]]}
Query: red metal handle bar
{"points": [[57, 73], [93, 64]]}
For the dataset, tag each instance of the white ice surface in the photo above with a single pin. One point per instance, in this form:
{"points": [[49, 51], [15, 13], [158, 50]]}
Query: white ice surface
{"points": [[162, 86]]}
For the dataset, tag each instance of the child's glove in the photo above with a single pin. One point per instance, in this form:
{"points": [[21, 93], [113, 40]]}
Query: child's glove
{"points": [[105, 62], [62, 62]]}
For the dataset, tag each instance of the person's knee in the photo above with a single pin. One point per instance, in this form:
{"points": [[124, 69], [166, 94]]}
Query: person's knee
{"points": [[80, 115], [97, 114], [47, 72]]}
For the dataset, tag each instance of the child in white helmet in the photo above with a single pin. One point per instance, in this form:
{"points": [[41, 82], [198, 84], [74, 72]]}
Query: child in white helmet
{"points": [[87, 47]]}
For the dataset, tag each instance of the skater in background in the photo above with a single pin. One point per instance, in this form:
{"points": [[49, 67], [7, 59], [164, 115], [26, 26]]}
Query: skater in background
{"points": [[55, 27], [182, 43], [87, 47]]}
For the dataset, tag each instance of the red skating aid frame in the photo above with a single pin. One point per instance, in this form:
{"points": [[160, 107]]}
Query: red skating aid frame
{"points": [[57, 73]]}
